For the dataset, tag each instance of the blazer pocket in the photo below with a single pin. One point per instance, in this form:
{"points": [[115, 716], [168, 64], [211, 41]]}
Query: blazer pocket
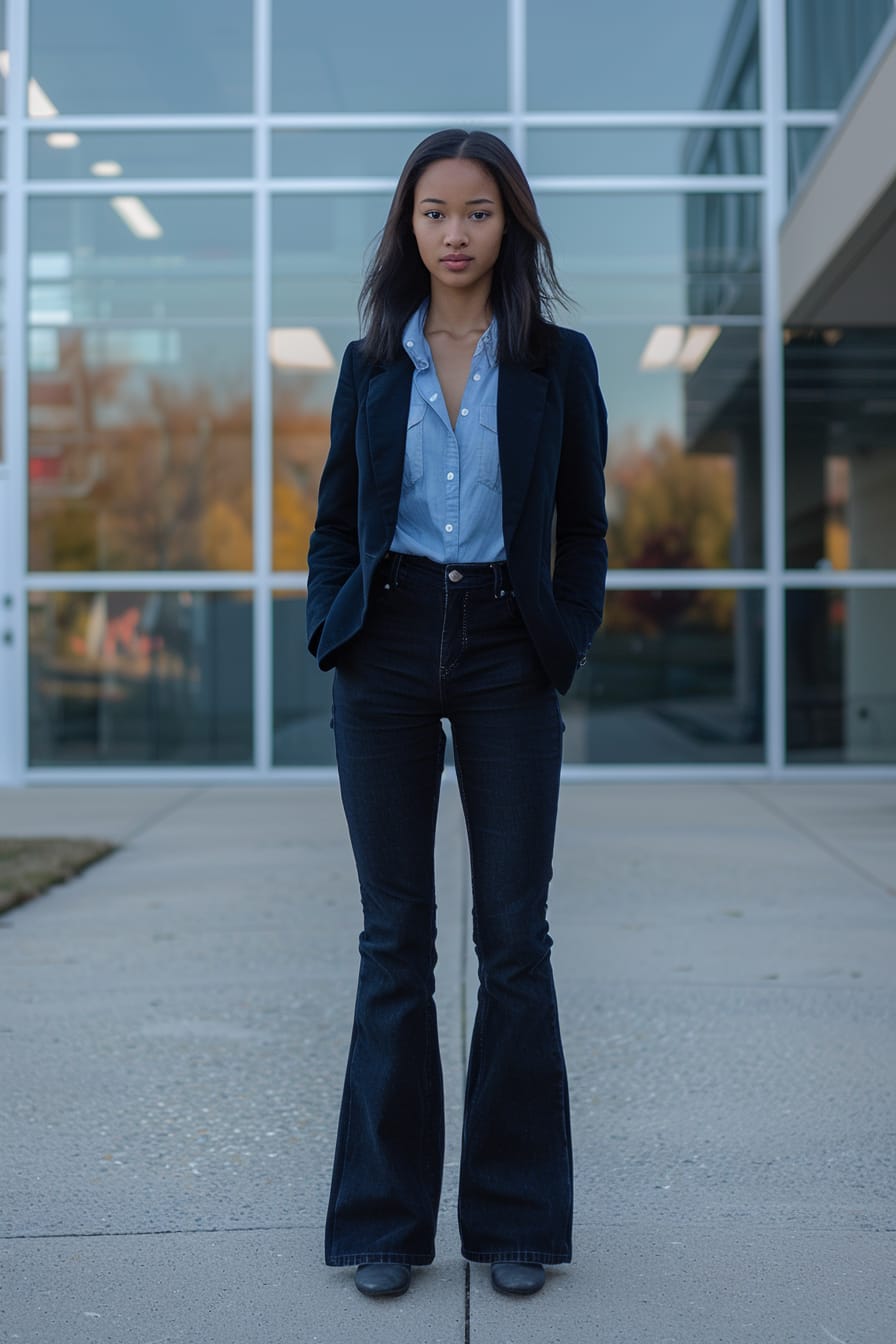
{"points": [[413, 447], [489, 461]]}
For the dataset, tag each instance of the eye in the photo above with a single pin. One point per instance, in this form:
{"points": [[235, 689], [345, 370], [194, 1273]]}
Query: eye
{"points": [[433, 214], [480, 215]]}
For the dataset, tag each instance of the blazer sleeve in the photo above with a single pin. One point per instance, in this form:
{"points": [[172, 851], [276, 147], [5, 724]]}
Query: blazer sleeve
{"points": [[333, 551], [580, 564]]}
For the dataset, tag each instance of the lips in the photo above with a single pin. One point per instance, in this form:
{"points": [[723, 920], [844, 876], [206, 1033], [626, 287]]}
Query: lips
{"points": [[455, 262]]}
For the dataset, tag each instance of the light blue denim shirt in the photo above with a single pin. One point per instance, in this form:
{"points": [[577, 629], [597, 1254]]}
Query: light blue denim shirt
{"points": [[450, 506]]}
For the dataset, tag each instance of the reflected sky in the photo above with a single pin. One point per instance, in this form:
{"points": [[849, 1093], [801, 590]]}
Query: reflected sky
{"points": [[637, 56]]}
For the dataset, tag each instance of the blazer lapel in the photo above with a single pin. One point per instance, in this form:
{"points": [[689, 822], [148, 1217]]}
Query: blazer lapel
{"points": [[388, 402], [521, 400]]}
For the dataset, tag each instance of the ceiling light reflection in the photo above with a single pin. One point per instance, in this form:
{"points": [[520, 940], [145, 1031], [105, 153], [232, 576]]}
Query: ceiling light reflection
{"points": [[135, 214], [663, 345], [299, 348]]}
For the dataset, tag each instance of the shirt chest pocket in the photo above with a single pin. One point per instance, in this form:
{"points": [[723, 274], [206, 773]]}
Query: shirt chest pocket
{"points": [[413, 447], [489, 461]]}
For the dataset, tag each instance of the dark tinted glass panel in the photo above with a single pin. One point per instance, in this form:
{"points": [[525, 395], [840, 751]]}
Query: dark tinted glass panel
{"points": [[640, 254], [827, 41], [140, 411], [646, 55], [589, 151], [684, 468], [674, 677], [137, 678], [840, 447], [841, 688], [108, 57], [103, 154], [302, 693], [390, 57]]}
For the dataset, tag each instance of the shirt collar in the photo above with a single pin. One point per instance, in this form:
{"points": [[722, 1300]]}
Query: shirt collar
{"points": [[416, 346]]}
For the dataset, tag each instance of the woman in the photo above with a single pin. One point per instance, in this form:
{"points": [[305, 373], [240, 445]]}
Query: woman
{"points": [[465, 424]]}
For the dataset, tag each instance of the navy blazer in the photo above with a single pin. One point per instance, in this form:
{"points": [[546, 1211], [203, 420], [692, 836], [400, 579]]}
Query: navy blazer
{"points": [[552, 443]]}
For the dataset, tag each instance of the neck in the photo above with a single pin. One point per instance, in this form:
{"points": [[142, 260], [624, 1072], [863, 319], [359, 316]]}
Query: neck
{"points": [[459, 313]]}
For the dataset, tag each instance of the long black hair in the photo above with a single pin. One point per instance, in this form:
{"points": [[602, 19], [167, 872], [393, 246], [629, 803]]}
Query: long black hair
{"points": [[524, 283]]}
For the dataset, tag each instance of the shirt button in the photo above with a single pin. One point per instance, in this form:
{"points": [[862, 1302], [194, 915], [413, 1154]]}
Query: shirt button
{"points": [[448, 527], [409, 344], [465, 411], [434, 397], [476, 377], [450, 476]]}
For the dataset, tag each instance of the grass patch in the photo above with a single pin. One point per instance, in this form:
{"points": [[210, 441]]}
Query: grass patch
{"points": [[28, 867]]}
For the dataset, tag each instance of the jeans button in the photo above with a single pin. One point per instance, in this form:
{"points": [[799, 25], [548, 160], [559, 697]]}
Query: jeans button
{"points": [[455, 575]]}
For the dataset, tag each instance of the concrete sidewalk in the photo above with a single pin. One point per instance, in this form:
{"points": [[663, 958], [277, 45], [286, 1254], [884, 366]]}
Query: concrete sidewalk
{"points": [[173, 1031]]}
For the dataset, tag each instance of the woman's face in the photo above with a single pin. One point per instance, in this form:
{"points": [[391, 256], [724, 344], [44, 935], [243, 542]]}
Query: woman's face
{"points": [[458, 222]]}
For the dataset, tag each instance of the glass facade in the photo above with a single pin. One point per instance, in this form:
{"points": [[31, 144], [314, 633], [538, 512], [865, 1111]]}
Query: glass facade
{"points": [[191, 193]]}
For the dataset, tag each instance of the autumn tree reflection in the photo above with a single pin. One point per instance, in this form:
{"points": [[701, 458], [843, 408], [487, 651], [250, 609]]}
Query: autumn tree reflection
{"points": [[669, 510]]}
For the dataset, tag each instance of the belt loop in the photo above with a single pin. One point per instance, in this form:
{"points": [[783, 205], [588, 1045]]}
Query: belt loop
{"points": [[497, 572], [396, 567]]}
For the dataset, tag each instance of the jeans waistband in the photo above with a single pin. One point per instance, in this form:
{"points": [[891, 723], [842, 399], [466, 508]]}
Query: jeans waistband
{"points": [[493, 575]]}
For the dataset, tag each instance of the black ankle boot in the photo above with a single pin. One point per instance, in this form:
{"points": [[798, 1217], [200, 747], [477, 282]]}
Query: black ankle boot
{"points": [[382, 1280], [517, 1279]]}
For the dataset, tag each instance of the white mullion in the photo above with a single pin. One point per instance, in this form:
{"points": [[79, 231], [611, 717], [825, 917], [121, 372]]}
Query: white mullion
{"points": [[654, 182], [13, 713], [162, 581], [234, 121], [145, 186], [687, 579], [641, 120], [262, 468], [809, 120], [383, 121], [841, 579], [397, 121], [772, 35], [315, 186]]}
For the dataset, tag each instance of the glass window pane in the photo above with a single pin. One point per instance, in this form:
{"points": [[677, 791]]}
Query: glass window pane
{"points": [[840, 447], [684, 468], [338, 153], [302, 693], [639, 254], [69, 155], [318, 248], [802, 142], [109, 57], [841, 692], [140, 408], [826, 45], [137, 678], [389, 57], [643, 56], [675, 677], [590, 151]]}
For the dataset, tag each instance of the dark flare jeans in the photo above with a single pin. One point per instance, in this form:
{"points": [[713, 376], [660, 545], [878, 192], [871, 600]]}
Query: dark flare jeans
{"points": [[435, 646]]}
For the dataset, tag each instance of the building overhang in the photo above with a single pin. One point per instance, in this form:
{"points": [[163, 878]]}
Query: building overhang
{"points": [[837, 244]]}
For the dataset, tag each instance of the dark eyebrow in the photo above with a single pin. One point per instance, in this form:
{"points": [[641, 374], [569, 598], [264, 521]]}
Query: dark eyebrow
{"points": [[479, 200]]}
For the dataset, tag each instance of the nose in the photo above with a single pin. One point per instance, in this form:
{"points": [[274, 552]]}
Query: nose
{"points": [[455, 233]]}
